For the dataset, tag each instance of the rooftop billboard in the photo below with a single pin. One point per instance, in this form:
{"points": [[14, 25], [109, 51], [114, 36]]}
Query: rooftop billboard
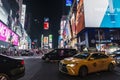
{"points": [[102, 13], [68, 2]]}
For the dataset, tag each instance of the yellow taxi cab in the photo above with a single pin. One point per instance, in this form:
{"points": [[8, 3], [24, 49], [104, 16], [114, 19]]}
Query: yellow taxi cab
{"points": [[84, 63]]}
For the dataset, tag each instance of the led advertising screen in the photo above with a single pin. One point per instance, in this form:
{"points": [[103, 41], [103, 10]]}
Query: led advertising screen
{"points": [[46, 23], [68, 2], [80, 17], [62, 26], [6, 34], [102, 13], [45, 40], [50, 38], [73, 23]]}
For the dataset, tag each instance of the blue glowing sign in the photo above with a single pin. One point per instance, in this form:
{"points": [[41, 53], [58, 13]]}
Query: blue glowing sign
{"points": [[68, 2]]}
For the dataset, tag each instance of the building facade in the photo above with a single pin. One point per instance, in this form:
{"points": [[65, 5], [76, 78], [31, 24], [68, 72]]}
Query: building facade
{"points": [[94, 25], [11, 28]]}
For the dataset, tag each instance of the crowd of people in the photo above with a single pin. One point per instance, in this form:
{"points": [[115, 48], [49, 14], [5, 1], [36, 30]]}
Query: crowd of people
{"points": [[23, 52]]}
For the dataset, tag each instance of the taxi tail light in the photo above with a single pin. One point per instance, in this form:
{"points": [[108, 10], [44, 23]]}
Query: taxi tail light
{"points": [[22, 62]]}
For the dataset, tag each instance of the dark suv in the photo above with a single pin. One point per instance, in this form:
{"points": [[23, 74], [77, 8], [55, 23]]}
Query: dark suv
{"points": [[58, 54]]}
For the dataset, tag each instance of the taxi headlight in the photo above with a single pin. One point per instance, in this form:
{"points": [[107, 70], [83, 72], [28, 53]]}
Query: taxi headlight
{"points": [[113, 61], [71, 65]]}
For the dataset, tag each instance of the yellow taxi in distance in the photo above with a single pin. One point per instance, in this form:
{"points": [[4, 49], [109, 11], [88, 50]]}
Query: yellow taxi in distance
{"points": [[84, 63]]}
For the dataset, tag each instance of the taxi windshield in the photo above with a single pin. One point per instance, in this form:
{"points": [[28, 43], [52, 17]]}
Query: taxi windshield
{"points": [[82, 55]]}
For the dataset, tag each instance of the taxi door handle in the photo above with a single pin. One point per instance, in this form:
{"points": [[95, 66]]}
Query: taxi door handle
{"points": [[103, 61]]}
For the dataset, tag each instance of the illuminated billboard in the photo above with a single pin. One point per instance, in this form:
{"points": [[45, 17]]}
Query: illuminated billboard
{"points": [[68, 2], [45, 40], [62, 26], [3, 15], [46, 23], [6, 34], [50, 45], [23, 14], [102, 13], [73, 24], [80, 17], [50, 38]]}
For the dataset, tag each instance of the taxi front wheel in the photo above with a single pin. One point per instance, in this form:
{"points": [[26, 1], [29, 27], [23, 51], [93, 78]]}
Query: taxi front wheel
{"points": [[110, 67], [83, 71]]}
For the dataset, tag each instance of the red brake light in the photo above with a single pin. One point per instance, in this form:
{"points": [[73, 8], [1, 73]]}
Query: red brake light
{"points": [[22, 62]]}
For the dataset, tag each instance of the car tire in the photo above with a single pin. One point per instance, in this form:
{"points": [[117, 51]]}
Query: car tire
{"points": [[110, 67], [4, 76], [83, 71]]}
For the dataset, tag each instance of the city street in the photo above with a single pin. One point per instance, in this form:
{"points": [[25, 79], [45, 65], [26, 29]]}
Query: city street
{"points": [[36, 69], [32, 31]]}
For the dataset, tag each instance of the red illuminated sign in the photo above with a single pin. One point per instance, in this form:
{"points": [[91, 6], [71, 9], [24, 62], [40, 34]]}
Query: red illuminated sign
{"points": [[46, 25]]}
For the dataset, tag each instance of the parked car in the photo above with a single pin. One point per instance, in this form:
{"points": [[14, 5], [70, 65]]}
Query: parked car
{"points": [[58, 54], [11, 68], [84, 63]]}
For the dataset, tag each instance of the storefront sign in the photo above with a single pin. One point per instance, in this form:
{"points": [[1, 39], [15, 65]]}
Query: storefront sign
{"points": [[101, 41]]}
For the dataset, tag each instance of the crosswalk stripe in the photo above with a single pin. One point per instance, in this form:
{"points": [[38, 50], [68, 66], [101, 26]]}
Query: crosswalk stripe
{"points": [[26, 57]]}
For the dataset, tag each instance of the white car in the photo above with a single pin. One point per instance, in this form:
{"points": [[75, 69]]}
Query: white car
{"points": [[116, 55]]}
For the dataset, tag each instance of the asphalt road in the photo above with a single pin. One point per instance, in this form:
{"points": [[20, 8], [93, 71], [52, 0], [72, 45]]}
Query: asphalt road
{"points": [[36, 69]]}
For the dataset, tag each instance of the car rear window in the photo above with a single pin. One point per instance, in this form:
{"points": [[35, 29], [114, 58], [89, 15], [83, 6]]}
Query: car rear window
{"points": [[82, 56]]}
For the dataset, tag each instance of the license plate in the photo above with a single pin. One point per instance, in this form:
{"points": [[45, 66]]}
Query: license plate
{"points": [[22, 68]]}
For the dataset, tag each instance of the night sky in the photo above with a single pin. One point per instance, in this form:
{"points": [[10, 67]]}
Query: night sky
{"points": [[53, 9]]}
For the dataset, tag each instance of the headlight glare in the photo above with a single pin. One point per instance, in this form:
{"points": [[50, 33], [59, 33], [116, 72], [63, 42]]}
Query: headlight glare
{"points": [[71, 65]]}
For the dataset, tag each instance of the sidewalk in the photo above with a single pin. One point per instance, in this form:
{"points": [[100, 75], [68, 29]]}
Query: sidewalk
{"points": [[25, 57]]}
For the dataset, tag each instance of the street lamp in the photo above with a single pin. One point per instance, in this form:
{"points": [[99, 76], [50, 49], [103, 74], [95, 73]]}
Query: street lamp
{"points": [[99, 39]]}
